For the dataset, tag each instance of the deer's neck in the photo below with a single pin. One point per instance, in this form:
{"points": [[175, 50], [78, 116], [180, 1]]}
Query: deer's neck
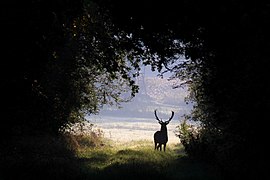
{"points": [[163, 129]]}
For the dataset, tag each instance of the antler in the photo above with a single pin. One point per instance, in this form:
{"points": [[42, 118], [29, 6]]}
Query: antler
{"points": [[157, 116], [170, 118]]}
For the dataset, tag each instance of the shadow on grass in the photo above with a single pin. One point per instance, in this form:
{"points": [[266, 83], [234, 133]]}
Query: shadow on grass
{"points": [[123, 164], [146, 164]]}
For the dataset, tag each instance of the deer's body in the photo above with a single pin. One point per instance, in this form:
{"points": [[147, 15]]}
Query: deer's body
{"points": [[161, 137]]}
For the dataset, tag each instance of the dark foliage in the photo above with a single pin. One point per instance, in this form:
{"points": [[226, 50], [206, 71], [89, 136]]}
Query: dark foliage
{"points": [[52, 47], [32, 32], [63, 61]]}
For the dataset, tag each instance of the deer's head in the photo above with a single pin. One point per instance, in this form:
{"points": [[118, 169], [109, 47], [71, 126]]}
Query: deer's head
{"points": [[163, 123]]}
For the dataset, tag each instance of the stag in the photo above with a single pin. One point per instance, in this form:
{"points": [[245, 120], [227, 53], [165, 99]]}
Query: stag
{"points": [[161, 137]]}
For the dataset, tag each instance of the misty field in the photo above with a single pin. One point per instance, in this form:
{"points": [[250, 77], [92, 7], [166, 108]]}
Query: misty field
{"points": [[124, 130]]}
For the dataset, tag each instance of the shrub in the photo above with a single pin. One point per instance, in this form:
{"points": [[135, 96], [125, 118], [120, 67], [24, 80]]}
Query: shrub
{"points": [[189, 136], [83, 135]]}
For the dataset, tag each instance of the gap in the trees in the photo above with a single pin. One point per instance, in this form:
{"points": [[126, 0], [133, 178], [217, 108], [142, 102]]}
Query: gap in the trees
{"points": [[135, 120]]}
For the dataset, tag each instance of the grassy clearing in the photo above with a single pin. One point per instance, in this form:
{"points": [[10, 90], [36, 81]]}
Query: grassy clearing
{"points": [[138, 160], [48, 158]]}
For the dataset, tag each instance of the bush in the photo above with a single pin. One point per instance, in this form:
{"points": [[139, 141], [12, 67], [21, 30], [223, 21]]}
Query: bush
{"points": [[83, 135], [191, 136], [187, 133]]}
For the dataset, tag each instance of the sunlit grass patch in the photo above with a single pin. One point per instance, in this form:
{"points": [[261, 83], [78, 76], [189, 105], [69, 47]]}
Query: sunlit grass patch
{"points": [[135, 160]]}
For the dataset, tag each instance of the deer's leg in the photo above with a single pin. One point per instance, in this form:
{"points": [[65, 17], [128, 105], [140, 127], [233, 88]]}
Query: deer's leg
{"points": [[155, 145], [159, 146], [164, 147]]}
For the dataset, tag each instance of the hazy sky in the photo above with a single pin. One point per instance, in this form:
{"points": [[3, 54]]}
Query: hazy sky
{"points": [[150, 73]]}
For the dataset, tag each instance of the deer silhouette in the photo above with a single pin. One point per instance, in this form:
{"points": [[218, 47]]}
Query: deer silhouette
{"points": [[161, 137]]}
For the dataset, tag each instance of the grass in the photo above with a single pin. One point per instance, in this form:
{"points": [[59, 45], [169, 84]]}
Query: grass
{"points": [[46, 158], [138, 160]]}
